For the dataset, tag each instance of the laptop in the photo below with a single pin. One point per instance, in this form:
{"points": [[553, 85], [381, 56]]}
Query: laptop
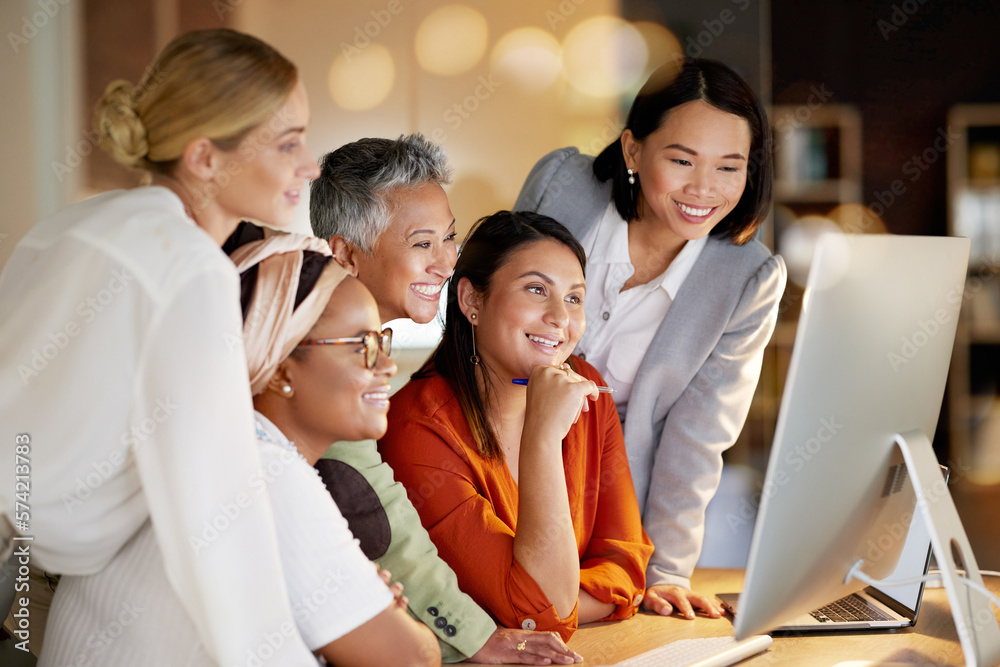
{"points": [[875, 607]]}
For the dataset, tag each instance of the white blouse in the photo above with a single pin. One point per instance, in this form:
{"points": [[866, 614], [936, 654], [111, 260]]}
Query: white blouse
{"points": [[129, 615], [621, 325], [122, 361]]}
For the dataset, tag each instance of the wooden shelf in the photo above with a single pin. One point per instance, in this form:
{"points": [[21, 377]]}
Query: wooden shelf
{"points": [[835, 131], [979, 330], [834, 191]]}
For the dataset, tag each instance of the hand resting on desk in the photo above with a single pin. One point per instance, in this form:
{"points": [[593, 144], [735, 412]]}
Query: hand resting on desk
{"points": [[665, 600], [540, 648]]}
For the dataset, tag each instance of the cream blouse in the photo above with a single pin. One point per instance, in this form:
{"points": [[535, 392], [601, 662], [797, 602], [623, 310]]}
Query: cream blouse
{"points": [[123, 365]]}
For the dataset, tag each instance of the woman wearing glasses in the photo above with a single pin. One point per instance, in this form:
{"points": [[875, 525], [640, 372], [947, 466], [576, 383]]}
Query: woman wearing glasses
{"points": [[312, 343], [525, 491], [381, 205]]}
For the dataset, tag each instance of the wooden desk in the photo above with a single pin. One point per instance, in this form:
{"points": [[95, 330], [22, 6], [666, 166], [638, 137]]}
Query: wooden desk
{"points": [[933, 641]]}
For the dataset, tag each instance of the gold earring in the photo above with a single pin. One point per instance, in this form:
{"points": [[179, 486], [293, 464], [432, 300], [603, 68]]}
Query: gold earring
{"points": [[475, 357]]}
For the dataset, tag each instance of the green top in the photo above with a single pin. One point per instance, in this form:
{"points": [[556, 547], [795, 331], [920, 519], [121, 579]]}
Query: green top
{"points": [[460, 625]]}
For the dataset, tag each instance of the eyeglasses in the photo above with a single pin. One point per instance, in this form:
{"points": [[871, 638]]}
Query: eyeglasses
{"points": [[372, 340]]}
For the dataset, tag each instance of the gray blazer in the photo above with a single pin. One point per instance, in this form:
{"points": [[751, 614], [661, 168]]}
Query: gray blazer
{"points": [[692, 392]]}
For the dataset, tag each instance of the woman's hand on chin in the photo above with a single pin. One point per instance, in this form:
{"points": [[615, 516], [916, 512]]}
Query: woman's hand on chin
{"points": [[555, 399], [666, 600], [524, 647]]}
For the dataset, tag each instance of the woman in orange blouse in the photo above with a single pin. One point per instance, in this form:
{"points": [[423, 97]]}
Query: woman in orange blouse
{"points": [[525, 490]]}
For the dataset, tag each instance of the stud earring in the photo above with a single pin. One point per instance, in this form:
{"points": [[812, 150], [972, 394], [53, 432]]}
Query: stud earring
{"points": [[631, 177], [473, 316], [286, 389]]}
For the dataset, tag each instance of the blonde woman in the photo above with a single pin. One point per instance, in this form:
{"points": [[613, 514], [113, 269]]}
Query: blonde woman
{"points": [[124, 376]]}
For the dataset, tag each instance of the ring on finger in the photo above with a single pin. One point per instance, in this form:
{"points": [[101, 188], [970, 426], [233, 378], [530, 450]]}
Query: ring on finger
{"points": [[522, 645]]}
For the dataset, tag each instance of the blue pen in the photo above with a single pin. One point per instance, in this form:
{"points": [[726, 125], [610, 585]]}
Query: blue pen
{"points": [[603, 390]]}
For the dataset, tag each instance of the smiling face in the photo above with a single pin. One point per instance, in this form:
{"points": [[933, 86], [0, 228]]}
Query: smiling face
{"points": [[692, 170], [533, 313], [335, 396], [263, 178], [413, 257]]}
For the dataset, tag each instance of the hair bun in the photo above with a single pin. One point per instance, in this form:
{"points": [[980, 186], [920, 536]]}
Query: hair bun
{"points": [[122, 133]]}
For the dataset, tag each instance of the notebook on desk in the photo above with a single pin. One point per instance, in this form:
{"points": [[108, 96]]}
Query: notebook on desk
{"points": [[874, 608]]}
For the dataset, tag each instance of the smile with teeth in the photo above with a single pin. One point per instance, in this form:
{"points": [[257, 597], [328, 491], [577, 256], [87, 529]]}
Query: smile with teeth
{"points": [[696, 212], [427, 290], [543, 341], [379, 397]]}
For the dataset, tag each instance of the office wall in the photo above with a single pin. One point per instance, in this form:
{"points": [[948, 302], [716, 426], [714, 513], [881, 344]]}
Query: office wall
{"points": [[903, 64], [736, 32], [493, 128], [39, 68]]}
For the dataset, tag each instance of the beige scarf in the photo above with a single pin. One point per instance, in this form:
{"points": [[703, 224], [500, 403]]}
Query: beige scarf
{"points": [[273, 327]]}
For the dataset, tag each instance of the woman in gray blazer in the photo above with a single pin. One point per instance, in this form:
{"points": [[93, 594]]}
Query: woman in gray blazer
{"points": [[681, 299]]}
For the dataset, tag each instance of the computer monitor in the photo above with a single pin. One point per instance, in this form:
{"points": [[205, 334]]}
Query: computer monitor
{"points": [[860, 406]]}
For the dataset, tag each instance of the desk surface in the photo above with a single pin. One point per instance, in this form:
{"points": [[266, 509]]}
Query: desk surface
{"points": [[933, 641]]}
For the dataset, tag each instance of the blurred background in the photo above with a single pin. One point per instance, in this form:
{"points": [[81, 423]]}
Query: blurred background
{"points": [[886, 117]]}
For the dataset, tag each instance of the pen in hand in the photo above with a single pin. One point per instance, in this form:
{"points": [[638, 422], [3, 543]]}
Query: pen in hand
{"points": [[603, 390]]}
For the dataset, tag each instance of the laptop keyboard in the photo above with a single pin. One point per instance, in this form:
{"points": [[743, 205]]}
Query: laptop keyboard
{"points": [[851, 608]]}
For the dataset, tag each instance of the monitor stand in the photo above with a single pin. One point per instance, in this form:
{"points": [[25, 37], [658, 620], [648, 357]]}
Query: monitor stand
{"points": [[977, 627]]}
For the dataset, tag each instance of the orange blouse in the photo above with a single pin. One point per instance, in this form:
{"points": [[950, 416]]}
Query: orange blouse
{"points": [[469, 505]]}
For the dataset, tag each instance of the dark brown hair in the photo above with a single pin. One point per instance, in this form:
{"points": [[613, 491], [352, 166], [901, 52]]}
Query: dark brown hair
{"points": [[490, 244]]}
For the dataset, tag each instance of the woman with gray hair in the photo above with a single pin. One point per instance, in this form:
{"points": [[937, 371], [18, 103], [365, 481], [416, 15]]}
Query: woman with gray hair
{"points": [[381, 205]]}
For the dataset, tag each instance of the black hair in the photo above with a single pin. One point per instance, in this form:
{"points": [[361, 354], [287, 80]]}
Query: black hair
{"points": [[721, 87], [313, 264], [490, 244]]}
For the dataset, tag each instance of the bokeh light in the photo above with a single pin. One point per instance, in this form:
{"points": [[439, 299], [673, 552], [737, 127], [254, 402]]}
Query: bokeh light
{"points": [[663, 45], [798, 243], [363, 80], [590, 136], [530, 58], [604, 56], [857, 219], [451, 40]]}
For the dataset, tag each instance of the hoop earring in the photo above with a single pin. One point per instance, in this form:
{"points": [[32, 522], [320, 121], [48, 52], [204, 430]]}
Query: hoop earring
{"points": [[475, 357], [631, 177]]}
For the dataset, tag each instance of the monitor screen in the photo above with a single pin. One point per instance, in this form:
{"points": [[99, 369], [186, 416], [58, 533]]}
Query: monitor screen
{"points": [[870, 360]]}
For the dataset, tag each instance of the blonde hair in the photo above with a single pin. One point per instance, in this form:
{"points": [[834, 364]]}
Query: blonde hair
{"points": [[218, 84]]}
